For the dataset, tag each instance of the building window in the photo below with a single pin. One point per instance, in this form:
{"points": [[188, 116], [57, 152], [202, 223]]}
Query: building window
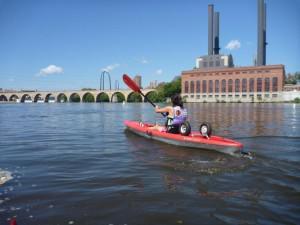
{"points": [[198, 86], [210, 86], [251, 85], [218, 63], [259, 85], [204, 64], [230, 85], [223, 86], [204, 86], [211, 63], [244, 85], [237, 85], [267, 84], [217, 87], [192, 87], [275, 84], [186, 87]]}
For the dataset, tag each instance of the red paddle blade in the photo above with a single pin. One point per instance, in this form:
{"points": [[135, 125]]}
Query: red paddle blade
{"points": [[130, 83], [13, 222]]}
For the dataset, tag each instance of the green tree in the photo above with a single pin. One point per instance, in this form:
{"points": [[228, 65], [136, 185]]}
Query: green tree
{"points": [[75, 98], [156, 96], [297, 100], [134, 97], [88, 98], [120, 97], [102, 98], [172, 88]]}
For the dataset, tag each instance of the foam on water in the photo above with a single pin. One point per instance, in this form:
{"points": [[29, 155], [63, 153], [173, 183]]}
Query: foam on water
{"points": [[5, 176]]}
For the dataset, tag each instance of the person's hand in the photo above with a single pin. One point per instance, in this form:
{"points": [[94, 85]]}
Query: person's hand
{"points": [[156, 108]]}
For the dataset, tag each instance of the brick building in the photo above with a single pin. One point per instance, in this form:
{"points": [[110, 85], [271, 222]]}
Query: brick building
{"points": [[236, 84]]}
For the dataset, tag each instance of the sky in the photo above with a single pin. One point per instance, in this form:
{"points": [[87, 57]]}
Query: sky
{"points": [[66, 44]]}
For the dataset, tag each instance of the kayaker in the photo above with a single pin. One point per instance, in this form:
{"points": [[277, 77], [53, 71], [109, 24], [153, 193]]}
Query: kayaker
{"points": [[176, 115]]}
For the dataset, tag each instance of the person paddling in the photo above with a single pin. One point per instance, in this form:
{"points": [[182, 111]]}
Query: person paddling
{"points": [[176, 115]]}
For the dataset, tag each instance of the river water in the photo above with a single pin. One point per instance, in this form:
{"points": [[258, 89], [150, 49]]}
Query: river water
{"points": [[75, 164]]}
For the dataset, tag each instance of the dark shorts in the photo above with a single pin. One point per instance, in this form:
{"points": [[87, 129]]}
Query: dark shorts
{"points": [[174, 129]]}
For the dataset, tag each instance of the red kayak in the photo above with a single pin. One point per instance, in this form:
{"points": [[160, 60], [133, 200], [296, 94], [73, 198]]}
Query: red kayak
{"points": [[194, 139]]}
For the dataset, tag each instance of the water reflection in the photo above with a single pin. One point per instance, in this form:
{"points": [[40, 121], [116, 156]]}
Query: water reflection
{"points": [[244, 120]]}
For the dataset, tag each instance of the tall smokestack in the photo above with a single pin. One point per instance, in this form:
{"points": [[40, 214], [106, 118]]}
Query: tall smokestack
{"points": [[216, 33], [210, 29], [265, 34], [261, 33]]}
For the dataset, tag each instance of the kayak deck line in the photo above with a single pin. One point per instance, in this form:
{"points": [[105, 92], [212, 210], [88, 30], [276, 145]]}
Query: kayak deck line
{"points": [[194, 140]]}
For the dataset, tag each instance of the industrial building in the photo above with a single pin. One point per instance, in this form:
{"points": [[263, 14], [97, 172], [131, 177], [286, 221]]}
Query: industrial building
{"points": [[138, 80], [215, 79]]}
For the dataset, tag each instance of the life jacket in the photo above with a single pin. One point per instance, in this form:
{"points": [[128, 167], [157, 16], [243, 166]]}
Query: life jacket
{"points": [[179, 117]]}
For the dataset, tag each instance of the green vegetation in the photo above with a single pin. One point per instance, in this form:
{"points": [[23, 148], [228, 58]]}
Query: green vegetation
{"points": [[292, 78], [154, 97], [119, 97], [103, 97], [296, 100], [88, 89], [75, 98], [62, 98], [88, 97], [134, 97], [166, 90]]}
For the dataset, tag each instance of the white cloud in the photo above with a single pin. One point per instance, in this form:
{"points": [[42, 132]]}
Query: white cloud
{"points": [[144, 61], [110, 68], [233, 44], [159, 71], [51, 69]]}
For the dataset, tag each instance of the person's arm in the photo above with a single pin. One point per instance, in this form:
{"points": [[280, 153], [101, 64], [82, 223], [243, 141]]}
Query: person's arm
{"points": [[163, 110]]}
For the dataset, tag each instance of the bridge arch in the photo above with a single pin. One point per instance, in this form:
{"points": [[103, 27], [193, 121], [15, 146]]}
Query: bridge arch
{"points": [[152, 96], [3, 98], [37, 97], [102, 97], [74, 97], [134, 97], [61, 98], [118, 97], [50, 98], [26, 98], [88, 97], [14, 98]]}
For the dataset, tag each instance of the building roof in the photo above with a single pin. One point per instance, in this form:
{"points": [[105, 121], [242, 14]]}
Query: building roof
{"points": [[226, 69]]}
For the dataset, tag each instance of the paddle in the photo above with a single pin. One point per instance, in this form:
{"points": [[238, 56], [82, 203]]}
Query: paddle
{"points": [[133, 86]]}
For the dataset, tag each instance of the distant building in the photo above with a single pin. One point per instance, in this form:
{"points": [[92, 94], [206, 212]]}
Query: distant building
{"points": [[215, 79], [153, 84], [245, 84], [291, 87], [214, 61], [138, 80]]}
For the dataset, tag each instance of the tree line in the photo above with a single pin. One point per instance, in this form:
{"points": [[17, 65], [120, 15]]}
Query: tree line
{"points": [[292, 78]]}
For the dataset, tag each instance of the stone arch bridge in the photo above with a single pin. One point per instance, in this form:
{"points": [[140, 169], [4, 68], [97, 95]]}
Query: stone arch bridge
{"points": [[69, 96]]}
